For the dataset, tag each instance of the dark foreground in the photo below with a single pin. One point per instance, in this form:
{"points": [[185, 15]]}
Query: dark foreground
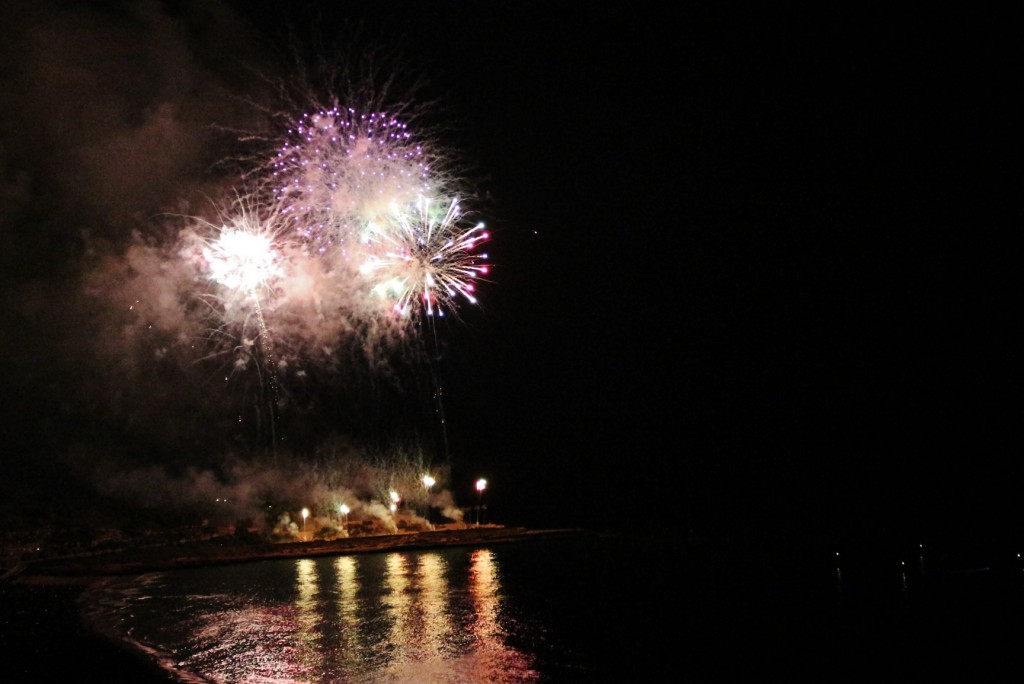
{"points": [[42, 639]]}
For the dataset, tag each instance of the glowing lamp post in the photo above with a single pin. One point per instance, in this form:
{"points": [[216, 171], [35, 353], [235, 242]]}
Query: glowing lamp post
{"points": [[394, 500], [428, 482], [343, 510], [481, 485], [305, 514]]}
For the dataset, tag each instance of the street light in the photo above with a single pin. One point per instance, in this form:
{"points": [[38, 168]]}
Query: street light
{"points": [[305, 514], [481, 485], [343, 509], [394, 500], [428, 482]]}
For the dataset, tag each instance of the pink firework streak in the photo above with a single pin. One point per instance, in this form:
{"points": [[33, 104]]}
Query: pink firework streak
{"points": [[425, 255]]}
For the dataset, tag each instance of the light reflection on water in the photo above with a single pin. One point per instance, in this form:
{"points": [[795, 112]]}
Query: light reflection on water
{"points": [[582, 609], [397, 617]]}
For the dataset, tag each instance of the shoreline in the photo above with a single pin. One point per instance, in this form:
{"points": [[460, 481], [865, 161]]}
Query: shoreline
{"points": [[82, 570]]}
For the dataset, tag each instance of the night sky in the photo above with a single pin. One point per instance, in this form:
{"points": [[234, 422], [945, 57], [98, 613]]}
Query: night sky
{"points": [[750, 270]]}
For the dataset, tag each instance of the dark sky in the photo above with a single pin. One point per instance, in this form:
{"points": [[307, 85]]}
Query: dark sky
{"points": [[750, 269]]}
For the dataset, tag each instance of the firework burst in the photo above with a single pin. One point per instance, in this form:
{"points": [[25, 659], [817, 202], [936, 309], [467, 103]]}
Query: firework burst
{"points": [[241, 257], [243, 254], [426, 255], [339, 172], [318, 273]]}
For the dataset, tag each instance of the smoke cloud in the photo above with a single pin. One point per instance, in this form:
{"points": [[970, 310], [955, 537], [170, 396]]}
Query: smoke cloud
{"points": [[123, 130]]}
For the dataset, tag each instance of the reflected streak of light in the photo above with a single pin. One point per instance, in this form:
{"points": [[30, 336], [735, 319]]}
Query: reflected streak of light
{"points": [[437, 625], [397, 602], [413, 620], [352, 642], [306, 636], [492, 659], [483, 585], [247, 644]]}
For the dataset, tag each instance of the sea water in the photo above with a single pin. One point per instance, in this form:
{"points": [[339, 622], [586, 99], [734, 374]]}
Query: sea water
{"points": [[577, 609], [515, 612]]}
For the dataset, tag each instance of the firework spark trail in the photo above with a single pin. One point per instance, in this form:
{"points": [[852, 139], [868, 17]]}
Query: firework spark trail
{"points": [[374, 203], [243, 257], [425, 255]]}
